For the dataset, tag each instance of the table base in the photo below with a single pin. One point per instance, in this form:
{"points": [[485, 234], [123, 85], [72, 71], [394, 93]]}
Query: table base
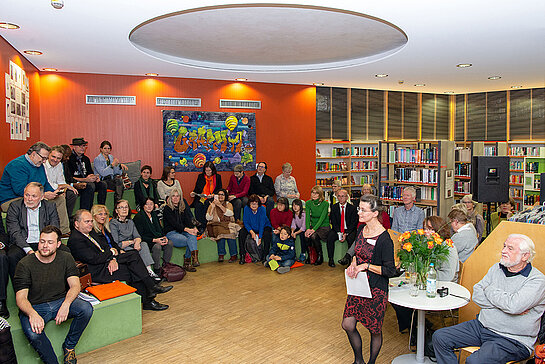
{"points": [[410, 359]]}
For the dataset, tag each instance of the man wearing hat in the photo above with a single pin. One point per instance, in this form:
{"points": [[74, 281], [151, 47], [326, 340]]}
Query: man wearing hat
{"points": [[80, 170]]}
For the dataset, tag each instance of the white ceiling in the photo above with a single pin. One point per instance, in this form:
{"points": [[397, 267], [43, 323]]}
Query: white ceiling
{"points": [[500, 38]]}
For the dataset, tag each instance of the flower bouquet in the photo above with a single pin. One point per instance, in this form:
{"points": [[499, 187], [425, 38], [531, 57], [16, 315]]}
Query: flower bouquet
{"points": [[418, 250]]}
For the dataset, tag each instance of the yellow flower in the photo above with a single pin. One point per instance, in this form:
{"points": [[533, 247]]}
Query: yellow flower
{"points": [[404, 236], [449, 243], [438, 240], [408, 247], [435, 235], [430, 244], [420, 231]]}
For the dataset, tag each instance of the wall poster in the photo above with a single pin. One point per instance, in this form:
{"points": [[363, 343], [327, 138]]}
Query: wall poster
{"points": [[17, 102], [190, 138]]}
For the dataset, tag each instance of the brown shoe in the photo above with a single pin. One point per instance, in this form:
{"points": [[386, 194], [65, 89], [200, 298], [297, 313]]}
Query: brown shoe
{"points": [[220, 258], [187, 265], [195, 258], [232, 259], [69, 356]]}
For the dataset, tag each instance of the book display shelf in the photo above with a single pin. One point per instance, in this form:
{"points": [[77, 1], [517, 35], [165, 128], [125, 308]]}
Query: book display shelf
{"points": [[517, 153]]}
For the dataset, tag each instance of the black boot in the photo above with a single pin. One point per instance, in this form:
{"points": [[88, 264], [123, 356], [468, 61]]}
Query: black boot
{"points": [[307, 260], [345, 260], [331, 263], [4, 309]]}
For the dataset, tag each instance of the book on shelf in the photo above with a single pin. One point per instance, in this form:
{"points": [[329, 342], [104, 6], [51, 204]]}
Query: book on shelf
{"points": [[421, 156], [419, 175], [396, 192], [462, 170], [526, 151]]}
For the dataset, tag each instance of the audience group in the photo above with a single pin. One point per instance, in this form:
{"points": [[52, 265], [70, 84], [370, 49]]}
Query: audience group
{"points": [[38, 191]]}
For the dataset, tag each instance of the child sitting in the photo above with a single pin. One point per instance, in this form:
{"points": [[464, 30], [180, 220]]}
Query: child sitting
{"points": [[282, 254], [298, 226], [281, 215]]}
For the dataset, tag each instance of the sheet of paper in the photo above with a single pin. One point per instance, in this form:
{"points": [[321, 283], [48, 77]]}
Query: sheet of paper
{"points": [[273, 264], [358, 286]]}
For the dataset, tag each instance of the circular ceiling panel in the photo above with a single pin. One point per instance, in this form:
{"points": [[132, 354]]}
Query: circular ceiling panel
{"points": [[268, 38]]}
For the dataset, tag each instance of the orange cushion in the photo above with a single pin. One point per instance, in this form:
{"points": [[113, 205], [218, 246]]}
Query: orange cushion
{"points": [[297, 264], [110, 290]]}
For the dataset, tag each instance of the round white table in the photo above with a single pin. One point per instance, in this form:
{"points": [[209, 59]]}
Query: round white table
{"points": [[401, 296]]}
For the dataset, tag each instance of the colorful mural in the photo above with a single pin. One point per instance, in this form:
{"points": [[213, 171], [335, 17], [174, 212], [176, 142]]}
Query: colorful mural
{"points": [[190, 138]]}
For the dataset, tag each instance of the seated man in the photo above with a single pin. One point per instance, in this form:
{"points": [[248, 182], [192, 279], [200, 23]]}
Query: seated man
{"points": [[408, 217], [262, 185], [55, 176], [24, 221], [107, 263], [512, 300], [22, 170], [344, 222], [239, 185], [4, 269], [80, 170], [40, 284]]}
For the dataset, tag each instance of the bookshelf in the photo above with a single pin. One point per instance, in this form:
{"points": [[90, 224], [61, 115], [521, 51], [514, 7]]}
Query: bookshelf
{"points": [[427, 166], [533, 167], [517, 152], [354, 163]]}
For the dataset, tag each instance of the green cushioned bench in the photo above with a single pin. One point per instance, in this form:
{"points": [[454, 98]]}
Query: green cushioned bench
{"points": [[113, 320]]}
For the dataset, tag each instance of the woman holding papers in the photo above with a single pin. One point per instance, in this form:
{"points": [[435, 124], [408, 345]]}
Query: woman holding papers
{"points": [[374, 256]]}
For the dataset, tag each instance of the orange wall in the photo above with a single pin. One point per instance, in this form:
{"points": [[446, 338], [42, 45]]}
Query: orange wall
{"points": [[285, 124], [11, 149]]}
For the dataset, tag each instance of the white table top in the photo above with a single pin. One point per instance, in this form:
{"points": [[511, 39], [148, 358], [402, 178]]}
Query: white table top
{"points": [[401, 296]]}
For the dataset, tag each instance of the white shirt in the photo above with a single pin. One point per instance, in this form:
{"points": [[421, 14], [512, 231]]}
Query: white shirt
{"points": [[341, 212], [55, 175], [33, 223]]}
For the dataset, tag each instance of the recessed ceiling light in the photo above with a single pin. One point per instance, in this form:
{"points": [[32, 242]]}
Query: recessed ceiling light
{"points": [[33, 53], [317, 83], [50, 69], [152, 74], [381, 75], [449, 92], [494, 77], [5, 25], [516, 86], [241, 79], [464, 65], [420, 84]]}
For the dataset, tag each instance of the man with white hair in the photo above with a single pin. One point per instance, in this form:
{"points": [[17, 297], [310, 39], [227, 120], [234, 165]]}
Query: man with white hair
{"points": [[408, 217], [512, 300]]}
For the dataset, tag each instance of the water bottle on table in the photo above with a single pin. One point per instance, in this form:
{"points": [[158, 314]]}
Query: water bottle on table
{"points": [[431, 282]]}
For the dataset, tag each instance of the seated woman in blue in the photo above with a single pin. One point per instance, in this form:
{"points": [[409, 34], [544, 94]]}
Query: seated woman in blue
{"points": [[283, 252], [257, 224]]}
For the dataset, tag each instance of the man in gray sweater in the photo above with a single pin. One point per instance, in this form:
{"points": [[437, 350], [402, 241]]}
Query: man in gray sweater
{"points": [[512, 300]]}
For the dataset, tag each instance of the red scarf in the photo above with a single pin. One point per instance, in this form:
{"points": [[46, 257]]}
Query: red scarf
{"points": [[210, 185]]}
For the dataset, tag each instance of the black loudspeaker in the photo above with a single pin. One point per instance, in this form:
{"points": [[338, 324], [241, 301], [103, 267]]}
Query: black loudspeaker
{"points": [[490, 179]]}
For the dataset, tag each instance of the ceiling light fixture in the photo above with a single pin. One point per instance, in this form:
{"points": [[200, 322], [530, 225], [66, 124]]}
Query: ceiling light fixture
{"points": [[317, 83], [420, 84], [5, 25], [152, 74], [33, 53], [242, 79], [381, 75], [494, 77], [449, 92], [50, 69], [464, 65], [516, 86]]}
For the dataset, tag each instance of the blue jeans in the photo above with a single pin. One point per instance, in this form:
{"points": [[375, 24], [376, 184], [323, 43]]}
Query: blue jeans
{"points": [[282, 263], [494, 347], [81, 312], [232, 247], [181, 240]]}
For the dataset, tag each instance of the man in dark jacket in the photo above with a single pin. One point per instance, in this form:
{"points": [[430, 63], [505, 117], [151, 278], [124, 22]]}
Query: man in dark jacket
{"points": [[262, 185], [344, 223], [4, 269]]}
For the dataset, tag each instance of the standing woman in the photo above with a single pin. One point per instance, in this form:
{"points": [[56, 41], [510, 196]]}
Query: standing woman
{"points": [[221, 226], [179, 228], [285, 184], [145, 188], [208, 183], [375, 255], [168, 183], [317, 221], [148, 225], [127, 237], [110, 170]]}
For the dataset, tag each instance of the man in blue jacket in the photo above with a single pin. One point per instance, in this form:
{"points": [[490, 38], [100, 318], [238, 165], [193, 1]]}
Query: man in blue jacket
{"points": [[23, 170]]}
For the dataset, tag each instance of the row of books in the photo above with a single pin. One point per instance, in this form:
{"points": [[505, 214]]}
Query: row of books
{"points": [[516, 192], [532, 167], [345, 181], [462, 155], [462, 170], [525, 151], [331, 167], [516, 178], [462, 187], [406, 155], [396, 193], [364, 151], [420, 175], [517, 165], [490, 151], [364, 165]]}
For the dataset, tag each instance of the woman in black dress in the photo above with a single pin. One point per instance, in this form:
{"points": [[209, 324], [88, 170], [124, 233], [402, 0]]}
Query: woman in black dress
{"points": [[375, 255]]}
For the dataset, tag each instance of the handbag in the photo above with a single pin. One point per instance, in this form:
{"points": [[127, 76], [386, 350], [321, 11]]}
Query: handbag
{"points": [[126, 181], [172, 272], [85, 281], [312, 254]]}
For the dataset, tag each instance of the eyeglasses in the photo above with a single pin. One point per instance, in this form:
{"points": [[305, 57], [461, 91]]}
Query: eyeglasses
{"points": [[221, 194], [41, 156], [122, 207], [359, 209]]}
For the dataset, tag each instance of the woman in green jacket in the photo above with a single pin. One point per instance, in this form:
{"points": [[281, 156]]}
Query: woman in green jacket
{"points": [[317, 222]]}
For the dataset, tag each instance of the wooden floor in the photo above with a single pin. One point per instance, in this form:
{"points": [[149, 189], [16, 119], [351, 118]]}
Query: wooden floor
{"points": [[228, 313]]}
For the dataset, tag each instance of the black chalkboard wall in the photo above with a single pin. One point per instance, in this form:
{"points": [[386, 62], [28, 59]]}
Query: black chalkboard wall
{"points": [[476, 116]]}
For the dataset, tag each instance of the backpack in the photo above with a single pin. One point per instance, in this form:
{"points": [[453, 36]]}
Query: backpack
{"points": [[172, 272]]}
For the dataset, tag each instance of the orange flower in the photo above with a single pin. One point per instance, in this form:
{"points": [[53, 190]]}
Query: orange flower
{"points": [[430, 244], [449, 243], [404, 236], [408, 247], [438, 240], [420, 231], [435, 235]]}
